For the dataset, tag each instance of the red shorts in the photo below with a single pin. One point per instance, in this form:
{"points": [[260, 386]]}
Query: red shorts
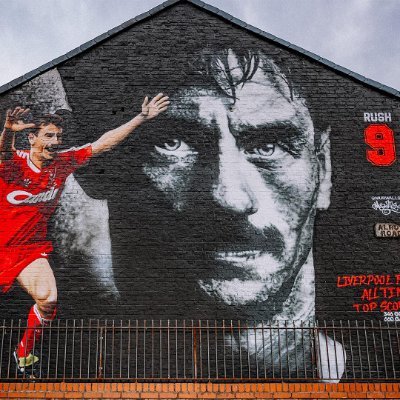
{"points": [[14, 259]]}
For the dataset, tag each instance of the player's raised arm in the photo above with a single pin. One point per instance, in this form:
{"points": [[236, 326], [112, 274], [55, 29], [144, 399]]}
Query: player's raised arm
{"points": [[150, 110], [14, 123]]}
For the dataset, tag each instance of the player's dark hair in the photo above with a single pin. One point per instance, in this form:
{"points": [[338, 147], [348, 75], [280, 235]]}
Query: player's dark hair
{"points": [[46, 119]]}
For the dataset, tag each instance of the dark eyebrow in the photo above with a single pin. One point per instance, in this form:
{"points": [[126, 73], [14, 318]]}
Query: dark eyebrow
{"points": [[286, 134], [283, 126], [193, 132]]}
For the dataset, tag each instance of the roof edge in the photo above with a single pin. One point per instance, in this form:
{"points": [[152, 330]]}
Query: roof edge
{"points": [[213, 10], [285, 44], [86, 46]]}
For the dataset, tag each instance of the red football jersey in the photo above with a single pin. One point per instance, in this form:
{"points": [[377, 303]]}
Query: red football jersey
{"points": [[29, 195]]}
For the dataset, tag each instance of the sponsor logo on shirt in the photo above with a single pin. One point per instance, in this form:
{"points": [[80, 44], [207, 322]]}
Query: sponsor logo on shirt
{"points": [[23, 197]]}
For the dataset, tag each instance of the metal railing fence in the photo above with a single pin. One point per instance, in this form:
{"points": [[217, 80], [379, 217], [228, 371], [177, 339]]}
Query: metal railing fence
{"points": [[206, 351]]}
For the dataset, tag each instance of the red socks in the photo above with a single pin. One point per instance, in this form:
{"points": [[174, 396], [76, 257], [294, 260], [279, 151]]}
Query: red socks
{"points": [[31, 335]]}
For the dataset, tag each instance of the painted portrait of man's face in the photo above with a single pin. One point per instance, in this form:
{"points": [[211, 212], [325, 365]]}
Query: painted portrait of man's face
{"points": [[210, 213], [246, 151]]}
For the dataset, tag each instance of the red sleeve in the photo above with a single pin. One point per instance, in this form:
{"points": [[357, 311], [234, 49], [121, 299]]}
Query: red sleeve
{"points": [[75, 157]]}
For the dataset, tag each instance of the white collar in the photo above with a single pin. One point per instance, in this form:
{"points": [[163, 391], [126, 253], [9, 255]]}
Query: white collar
{"points": [[31, 165]]}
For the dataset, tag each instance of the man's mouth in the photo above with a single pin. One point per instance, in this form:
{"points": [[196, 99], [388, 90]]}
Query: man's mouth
{"points": [[250, 264], [51, 150], [245, 276]]}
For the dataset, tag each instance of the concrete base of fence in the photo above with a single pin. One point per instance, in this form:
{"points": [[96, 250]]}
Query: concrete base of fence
{"points": [[200, 391]]}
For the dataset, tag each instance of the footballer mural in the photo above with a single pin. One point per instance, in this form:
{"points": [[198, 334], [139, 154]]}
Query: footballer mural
{"points": [[208, 213], [31, 183]]}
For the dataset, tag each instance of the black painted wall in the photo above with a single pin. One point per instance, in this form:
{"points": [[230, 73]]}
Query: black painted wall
{"points": [[157, 258]]}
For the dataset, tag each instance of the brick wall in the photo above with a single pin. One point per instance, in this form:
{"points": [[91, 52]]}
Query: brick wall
{"points": [[156, 254], [200, 391]]}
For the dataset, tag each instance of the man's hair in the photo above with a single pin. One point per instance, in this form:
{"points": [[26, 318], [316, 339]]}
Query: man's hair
{"points": [[226, 69], [46, 119], [217, 65]]}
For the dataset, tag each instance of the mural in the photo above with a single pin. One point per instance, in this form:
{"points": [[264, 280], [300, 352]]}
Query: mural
{"points": [[210, 211], [32, 181]]}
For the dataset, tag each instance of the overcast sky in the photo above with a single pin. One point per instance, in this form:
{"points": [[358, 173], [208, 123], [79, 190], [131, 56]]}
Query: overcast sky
{"points": [[362, 35]]}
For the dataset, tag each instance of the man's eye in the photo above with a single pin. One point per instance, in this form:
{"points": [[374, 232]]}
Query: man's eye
{"points": [[175, 147], [265, 151]]}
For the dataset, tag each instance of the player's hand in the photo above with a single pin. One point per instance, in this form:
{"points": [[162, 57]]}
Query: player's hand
{"points": [[157, 105], [15, 120]]}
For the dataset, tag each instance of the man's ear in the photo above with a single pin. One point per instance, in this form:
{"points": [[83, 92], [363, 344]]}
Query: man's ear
{"points": [[31, 138], [325, 171]]}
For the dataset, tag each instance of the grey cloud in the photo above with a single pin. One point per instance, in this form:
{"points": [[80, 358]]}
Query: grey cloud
{"points": [[358, 34]]}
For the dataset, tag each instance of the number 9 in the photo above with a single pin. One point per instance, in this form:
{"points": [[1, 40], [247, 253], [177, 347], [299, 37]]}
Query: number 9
{"points": [[380, 137]]}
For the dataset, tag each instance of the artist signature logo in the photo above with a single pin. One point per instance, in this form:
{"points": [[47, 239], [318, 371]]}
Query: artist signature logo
{"points": [[386, 204]]}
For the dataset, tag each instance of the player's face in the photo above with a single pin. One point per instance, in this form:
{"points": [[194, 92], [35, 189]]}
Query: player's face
{"points": [[46, 141], [246, 176]]}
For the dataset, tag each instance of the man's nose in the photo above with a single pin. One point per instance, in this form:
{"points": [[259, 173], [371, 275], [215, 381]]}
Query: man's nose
{"points": [[233, 189], [55, 140]]}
